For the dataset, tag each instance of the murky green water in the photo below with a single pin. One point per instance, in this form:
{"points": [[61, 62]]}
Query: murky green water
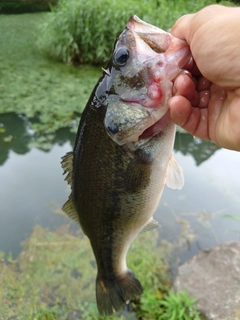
{"points": [[33, 189]]}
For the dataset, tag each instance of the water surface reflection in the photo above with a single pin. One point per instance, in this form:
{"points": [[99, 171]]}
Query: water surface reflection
{"points": [[32, 188]]}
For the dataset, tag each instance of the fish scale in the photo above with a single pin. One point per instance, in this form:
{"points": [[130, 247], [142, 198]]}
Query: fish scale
{"points": [[123, 154]]}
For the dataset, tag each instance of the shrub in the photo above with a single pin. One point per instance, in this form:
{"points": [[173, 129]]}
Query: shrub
{"points": [[22, 6], [85, 30]]}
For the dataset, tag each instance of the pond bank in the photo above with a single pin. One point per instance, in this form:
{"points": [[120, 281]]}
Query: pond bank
{"points": [[213, 277]]}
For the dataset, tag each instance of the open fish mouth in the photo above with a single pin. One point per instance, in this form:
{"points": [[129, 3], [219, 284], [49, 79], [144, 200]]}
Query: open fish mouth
{"points": [[159, 40], [150, 34], [145, 62]]}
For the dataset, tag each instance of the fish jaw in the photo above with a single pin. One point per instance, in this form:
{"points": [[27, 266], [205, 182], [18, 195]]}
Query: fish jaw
{"points": [[156, 58], [177, 50], [158, 39]]}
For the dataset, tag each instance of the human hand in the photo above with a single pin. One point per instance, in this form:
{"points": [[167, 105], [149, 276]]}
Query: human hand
{"points": [[207, 99]]}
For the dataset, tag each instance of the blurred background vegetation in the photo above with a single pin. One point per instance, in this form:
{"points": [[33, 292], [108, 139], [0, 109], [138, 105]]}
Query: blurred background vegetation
{"points": [[23, 6], [84, 31]]}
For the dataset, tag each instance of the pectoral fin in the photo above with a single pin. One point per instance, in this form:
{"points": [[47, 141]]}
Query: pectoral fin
{"points": [[175, 179], [137, 176], [138, 172]]}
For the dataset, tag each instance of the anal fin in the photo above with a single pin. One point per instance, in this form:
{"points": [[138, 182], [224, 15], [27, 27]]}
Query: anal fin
{"points": [[152, 224]]}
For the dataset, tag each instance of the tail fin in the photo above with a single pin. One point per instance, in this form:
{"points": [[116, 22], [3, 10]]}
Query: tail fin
{"points": [[112, 294]]}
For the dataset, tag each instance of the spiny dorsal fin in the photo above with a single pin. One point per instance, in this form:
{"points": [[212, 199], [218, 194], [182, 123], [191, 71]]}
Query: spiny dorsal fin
{"points": [[67, 165], [175, 179], [70, 210]]}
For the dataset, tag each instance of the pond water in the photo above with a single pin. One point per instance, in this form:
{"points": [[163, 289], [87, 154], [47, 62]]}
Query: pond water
{"points": [[33, 189]]}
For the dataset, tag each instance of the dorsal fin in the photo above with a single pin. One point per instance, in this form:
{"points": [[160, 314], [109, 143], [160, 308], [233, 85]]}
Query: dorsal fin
{"points": [[67, 165], [70, 210]]}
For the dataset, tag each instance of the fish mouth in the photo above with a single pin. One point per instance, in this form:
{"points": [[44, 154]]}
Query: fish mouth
{"points": [[138, 109], [159, 40]]}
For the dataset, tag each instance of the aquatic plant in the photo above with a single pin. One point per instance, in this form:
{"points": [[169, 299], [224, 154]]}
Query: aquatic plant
{"points": [[233, 217], [50, 95]]}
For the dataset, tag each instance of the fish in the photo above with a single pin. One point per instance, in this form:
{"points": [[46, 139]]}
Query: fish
{"points": [[123, 154]]}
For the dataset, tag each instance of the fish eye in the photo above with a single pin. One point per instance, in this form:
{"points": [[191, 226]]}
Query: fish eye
{"points": [[120, 57]]}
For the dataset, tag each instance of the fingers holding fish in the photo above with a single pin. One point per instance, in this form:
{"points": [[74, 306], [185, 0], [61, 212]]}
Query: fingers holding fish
{"points": [[193, 120], [203, 84], [189, 103], [185, 86], [194, 89]]}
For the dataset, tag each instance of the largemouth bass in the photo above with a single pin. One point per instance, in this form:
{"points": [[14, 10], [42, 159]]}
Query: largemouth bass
{"points": [[123, 154]]}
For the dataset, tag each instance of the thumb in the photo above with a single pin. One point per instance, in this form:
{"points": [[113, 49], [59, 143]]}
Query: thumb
{"points": [[181, 28]]}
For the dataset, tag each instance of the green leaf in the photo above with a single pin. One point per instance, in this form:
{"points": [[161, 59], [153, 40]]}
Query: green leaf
{"points": [[232, 216]]}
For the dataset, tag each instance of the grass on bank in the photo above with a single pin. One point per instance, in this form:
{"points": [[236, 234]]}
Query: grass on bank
{"points": [[85, 30], [54, 279]]}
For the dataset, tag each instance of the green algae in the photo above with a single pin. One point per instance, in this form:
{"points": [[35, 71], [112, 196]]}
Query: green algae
{"points": [[51, 95]]}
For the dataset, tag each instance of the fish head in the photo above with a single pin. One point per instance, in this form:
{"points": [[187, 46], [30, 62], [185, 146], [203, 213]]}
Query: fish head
{"points": [[144, 63]]}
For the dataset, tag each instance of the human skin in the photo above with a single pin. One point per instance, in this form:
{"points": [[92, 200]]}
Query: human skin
{"points": [[206, 100]]}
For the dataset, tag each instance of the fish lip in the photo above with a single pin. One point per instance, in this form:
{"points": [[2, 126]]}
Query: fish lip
{"points": [[131, 101]]}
